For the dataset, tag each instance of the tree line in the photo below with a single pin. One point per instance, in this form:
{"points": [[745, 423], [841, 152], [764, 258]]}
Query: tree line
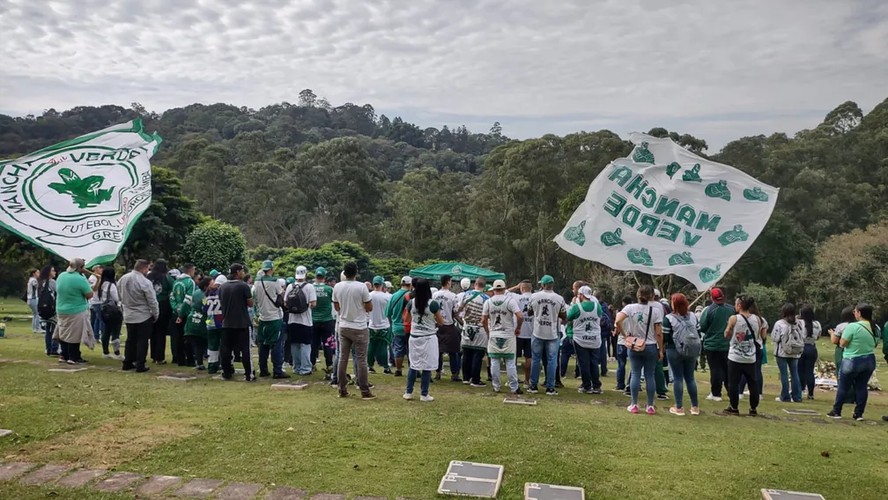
{"points": [[294, 177]]}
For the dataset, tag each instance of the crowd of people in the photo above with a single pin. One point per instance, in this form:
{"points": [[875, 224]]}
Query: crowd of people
{"points": [[212, 321]]}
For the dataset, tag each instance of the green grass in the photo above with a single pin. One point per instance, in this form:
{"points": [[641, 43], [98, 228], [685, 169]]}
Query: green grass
{"points": [[312, 440]]}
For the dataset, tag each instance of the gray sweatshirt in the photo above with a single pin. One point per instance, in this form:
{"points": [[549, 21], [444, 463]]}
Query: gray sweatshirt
{"points": [[138, 298]]}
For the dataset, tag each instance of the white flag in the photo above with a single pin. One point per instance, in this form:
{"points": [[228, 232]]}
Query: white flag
{"points": [[666, 210], [80, 198]]}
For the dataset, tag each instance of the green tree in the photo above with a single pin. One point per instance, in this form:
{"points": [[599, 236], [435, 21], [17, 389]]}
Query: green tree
{"points": [[215, 245]]}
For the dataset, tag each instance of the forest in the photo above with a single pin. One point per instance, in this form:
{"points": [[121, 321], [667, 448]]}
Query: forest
{"points": [[310, 183]]}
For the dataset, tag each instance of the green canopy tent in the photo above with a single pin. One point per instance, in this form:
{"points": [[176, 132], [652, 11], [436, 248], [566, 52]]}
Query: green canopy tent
{"points": [[457, 270]]}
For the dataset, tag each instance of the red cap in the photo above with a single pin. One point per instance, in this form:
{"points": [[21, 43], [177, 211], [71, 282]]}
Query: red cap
{"points": [[717, 295]]}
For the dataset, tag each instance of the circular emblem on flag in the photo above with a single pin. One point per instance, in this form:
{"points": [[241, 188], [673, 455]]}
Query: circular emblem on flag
{"points": [[456, 270]]}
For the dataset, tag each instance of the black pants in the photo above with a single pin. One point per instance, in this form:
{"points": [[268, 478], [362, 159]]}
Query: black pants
{"points": [[160, 331], [111, 333], [136, 349], [70, 351], [471, 364], [718, 371], [588, 363], [320, 332], [198, 348], [748, 370], [235, 340], [182, 351]]}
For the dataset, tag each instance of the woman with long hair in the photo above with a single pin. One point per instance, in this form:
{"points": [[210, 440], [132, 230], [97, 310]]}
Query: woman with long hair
{"points": [[643, 321], [785, 334], [858, 360], [163, 286], [847, 318], [742, 331], [809, 355], [760, 354], [425, 316], [108, 293], [47, 280], [683, 324]]}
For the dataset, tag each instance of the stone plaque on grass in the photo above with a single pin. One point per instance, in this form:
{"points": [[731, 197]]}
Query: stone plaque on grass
{"points": [[538, 491], [789, 495]]}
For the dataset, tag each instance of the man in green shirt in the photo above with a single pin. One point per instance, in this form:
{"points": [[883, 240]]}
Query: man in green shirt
{"points": [[713, 323], [395, 313], [180, 299], [73, 293], [323, 322]]}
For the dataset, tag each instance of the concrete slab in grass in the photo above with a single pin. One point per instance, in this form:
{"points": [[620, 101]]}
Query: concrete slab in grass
{"points": [[5, 432], [157, 485], [46, 474], [13, 470], [327, 496], [199, 488], [80, 478], [119, 481], [539, 491], [238, 491], [285, 493], [289, 387], [66, 370]]}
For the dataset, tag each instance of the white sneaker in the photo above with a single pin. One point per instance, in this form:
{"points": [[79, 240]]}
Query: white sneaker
{"points": [[408, 396], [740, 397], [108, 356], [710, 397], [426, 399]]}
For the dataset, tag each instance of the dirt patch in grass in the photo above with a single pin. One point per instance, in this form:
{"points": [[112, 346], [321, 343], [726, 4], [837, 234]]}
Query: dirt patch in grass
{"points": [[112, 444]]}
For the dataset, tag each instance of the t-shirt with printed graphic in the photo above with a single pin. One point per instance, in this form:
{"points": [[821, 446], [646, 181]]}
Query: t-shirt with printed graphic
{"points": [[523, 301], [545, 307], [213, 310], [423, 325], [323, 310], [500, 311], [584, 324], [447, 300], [378, 319], [472, 307], [196, 325], [742, 344], [636, 322]]}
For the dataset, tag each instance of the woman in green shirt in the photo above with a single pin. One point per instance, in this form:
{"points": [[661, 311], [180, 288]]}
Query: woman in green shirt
{"points": [[858, 360], [163, 286]]}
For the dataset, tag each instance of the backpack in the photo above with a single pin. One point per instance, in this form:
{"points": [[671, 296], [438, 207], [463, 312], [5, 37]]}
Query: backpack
{"points": [[793, 343], [297, 302], [686, 336], [46, 303], [111, 312]]}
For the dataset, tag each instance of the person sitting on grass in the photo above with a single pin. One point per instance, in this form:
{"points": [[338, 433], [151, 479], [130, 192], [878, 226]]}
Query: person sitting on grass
{"points": [[741, 332], [424, 315]]}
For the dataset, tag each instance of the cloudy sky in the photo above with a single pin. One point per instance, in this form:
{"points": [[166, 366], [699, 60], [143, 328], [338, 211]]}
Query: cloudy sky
{"points": [[718, 70]]}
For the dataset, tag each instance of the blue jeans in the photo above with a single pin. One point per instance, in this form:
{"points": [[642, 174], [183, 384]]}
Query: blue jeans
{"points": [[855, 372], [789, 368], [621, 367], [588, 362], [538, 347], [95, 314], [567, 350], [806, 368], [276, 351], [52, 346], [644, 360], [334, 377], [35, 321], [682, 375], [423, 383], [301, 358]]}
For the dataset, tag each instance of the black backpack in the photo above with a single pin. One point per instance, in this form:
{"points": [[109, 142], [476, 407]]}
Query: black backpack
{"points": [[46, 302], [297, 302]]}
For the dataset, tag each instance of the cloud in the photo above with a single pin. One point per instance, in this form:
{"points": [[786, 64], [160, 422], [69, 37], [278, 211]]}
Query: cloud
{"points": [[535, 66]]}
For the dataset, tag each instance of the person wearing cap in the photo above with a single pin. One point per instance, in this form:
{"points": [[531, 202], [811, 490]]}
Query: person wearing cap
{"points": [[299, 324], [584, 329], [352, 301], [474, 337], [501, 318], [448, 333], [268, 299], [395, 313], [236, 299], [183, 290], [525, 289], [380, 327], [213, 313], [323, 321], [548, 311], [713, 323]]}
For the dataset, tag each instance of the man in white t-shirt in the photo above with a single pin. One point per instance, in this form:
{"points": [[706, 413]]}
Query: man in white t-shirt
{"points": [[299, 322], [524, 350], [549, 312], [448, 332], [352, 301], [380, 327], [502, 320]]}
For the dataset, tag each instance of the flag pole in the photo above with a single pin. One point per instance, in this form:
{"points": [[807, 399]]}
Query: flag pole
{"points": [[699, 297]]}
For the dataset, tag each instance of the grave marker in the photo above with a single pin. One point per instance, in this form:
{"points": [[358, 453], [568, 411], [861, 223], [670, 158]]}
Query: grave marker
{"points": [[537, 491], [800, 411], [289, 387], [520, 401], [471, 479], [67, 370], [789, 495]]}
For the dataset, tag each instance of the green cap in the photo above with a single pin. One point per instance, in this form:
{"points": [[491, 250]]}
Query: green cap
{"points": [[547, 280], [267, 265], [291, 280], [214, 273], [320, 271], [378, 280]]}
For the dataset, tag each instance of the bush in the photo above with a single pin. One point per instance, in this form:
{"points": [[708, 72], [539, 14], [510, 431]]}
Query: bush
{"points": [[215, 245], [769, 299]]}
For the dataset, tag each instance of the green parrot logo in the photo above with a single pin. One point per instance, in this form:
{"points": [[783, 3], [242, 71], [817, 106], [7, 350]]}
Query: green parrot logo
{"points": [[575, 234], [681, 259], [734, 235], [642, 154], [672, 169], [612, 238], [692, 175], [640, 256], [719, 190], [708, 274], [84, 192], [755, 194]]}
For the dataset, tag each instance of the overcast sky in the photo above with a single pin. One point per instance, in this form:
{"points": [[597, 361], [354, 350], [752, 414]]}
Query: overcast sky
{"points": [[716, 69]]}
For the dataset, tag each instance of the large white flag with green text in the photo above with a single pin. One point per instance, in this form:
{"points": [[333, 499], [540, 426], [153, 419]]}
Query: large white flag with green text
{"points": [[80, 198], [666, 210]]}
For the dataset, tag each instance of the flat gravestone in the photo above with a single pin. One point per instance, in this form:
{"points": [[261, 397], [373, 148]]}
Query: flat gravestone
{"points": [[5, 432], [793, 411], [199, 488], [238, 491], [789, 495], [67, 370], [177, 378], [471, 479], [327, 496], [118, 481], [285, 493], [520, 401], [371, 498], [13, 470], [289, 387], [80, 478], [158, 484], [46, 474], [537, 491]]}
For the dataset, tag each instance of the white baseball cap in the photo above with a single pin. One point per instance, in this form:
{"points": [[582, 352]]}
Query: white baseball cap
{"points": [[388, 284], [465, 283], [221, 279], [499, 285], [656, 292], [585, 291], [282, 282], [406, 280], [301, 272]]}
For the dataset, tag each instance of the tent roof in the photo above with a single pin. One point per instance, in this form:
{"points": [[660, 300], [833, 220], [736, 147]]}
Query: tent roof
{"points": [[458, 270]]}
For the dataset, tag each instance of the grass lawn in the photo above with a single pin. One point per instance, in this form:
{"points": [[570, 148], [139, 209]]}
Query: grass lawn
{"points": [[310, 439]]}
